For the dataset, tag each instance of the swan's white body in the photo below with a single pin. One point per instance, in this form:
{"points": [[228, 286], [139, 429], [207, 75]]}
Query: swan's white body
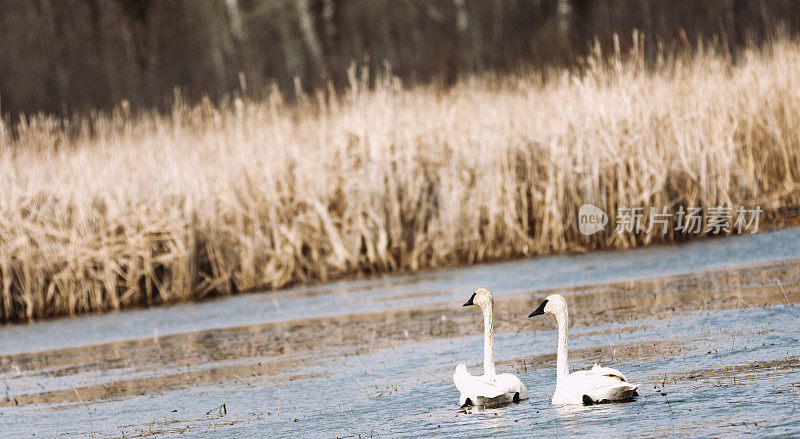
{"points": [[486, 390], [594, 386], [489, 389]]}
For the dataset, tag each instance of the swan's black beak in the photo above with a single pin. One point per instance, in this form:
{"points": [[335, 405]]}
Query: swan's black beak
{"points": [[469, 302], [540, 310]]}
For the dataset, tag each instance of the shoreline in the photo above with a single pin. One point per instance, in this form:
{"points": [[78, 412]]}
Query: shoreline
{"points": [[438, 289]]}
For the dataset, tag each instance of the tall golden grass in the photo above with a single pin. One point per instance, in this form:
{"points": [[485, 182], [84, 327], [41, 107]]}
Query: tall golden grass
{"points": [[118, 210]]}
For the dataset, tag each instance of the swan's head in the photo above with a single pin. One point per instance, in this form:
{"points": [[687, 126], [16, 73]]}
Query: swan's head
{"points": [[554, 304], [481, 297]]}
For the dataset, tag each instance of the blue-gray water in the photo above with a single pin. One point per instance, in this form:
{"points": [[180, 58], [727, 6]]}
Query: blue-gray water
{"points": [[709, 330]]}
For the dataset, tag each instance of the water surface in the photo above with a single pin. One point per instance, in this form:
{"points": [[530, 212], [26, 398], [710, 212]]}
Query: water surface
{"points": [[709, 330]]}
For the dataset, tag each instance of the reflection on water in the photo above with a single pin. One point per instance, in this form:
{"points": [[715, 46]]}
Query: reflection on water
{"points": [[710, 350]]}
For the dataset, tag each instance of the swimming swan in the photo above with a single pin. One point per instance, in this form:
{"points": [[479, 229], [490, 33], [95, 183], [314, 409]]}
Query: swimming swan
{"points": [[594, 386], [489, 389]]}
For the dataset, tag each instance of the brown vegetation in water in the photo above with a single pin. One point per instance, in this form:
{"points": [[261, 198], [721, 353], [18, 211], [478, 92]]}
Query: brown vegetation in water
{"points": [[121, 210]]}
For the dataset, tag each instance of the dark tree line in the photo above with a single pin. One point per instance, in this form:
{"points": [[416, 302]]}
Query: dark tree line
{"points": [[64, 56]]}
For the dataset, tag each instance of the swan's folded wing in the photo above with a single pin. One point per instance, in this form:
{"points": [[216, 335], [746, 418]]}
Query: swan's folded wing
{"points": [[600, 383], [475, 386], [611, 390], [606, 371], [508, 383], [472, 386]]}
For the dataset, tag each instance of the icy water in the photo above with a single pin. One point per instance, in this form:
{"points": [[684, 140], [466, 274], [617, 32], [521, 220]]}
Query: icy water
{"points": [[709, 330]]}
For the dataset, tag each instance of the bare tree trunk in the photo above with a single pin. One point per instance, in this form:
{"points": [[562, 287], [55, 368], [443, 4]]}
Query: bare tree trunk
{"points": [[235, 18], [220, 38], [292, 56], [310, 35], [563, 12], [462, 25]]}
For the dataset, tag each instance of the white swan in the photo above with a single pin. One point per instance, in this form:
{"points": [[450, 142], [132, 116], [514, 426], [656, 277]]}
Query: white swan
{"points": [[488, 389], [594, 386]]}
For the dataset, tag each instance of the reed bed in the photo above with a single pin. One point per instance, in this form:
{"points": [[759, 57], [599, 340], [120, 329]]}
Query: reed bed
{"points": [[118, 210]]}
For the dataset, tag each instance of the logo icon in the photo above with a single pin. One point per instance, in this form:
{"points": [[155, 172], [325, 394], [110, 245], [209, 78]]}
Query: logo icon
{"points": [[591, 219]]}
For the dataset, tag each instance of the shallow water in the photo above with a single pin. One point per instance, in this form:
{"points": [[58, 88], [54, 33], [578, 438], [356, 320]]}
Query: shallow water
{"points": [[709, 330]]}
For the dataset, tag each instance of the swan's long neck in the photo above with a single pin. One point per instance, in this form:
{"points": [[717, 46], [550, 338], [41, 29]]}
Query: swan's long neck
{"points": [[488, 342], [562, 358]]}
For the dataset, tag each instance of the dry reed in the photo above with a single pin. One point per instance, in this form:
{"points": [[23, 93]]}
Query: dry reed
{"points": [[117, 210]]}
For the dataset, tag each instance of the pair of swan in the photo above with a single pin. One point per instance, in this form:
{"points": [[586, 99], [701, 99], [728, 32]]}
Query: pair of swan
{"points": [[594, 386]]}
